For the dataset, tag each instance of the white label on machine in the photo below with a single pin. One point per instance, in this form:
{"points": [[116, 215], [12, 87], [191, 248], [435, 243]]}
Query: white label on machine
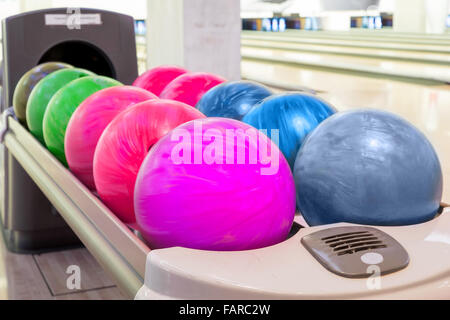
{"points": [[73, 20]]}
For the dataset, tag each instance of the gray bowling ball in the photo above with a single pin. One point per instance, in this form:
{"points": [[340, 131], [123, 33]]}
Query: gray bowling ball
{"points": [[367, 167]]}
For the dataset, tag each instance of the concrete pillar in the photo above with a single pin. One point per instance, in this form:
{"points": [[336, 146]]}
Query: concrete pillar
{"points": [[420, 16], [200, 35], [436, 12]]}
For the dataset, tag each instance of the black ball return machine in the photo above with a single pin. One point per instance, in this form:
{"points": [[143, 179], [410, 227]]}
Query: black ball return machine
{"points": [[100, 41]]}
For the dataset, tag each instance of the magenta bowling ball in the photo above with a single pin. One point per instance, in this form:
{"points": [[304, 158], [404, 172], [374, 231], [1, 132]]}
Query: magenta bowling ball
{"points": [[189, 88], [214, 184], [88, 122], [156, 79]]}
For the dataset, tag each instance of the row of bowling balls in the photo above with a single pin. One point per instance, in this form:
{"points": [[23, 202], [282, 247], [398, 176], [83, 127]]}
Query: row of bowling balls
{"points": [[365, 166]]}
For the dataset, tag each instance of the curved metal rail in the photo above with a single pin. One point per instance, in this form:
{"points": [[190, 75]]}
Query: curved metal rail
{"points": [[118, 250]]}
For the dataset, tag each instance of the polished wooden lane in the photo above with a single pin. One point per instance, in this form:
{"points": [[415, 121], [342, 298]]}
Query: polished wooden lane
{"points": [[384, 32], [413, 70], [436, 48], [417, 56], [365, 35], [427, 107]]}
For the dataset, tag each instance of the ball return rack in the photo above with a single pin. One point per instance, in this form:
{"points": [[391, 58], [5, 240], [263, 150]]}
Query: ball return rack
{"points": [[45, 207], [409, 262]]}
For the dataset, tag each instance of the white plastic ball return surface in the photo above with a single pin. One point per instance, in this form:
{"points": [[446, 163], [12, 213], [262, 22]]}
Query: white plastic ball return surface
{"points": [[289, 271]]}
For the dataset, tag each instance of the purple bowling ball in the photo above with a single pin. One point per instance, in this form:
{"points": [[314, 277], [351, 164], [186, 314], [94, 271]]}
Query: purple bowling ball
{"points": [[215, 184]]}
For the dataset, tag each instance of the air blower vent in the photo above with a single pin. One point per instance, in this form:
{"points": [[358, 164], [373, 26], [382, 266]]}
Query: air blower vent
{"points": [[349, 251], [352, 242]]}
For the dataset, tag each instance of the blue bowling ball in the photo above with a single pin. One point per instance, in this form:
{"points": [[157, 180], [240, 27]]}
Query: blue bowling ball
{"points": [[367, 167], [232, 99], [294, 114]]}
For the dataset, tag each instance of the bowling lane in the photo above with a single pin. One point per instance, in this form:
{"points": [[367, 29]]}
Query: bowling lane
{"points": [[374, 53], [427, 107], [368, 36], [385, 32], [436, 48], [413, 70]]}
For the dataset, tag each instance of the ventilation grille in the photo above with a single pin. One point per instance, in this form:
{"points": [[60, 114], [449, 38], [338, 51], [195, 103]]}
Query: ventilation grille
{"points": [[344, 250], [352, 242]]}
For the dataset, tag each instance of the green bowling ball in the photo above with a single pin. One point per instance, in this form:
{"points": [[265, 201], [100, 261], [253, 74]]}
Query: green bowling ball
{"points": [[28, 82], [43, 92], [63, 104]]}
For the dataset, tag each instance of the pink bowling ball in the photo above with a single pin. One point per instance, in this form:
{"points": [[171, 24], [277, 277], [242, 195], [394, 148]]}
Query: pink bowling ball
{"points": [[205, 186], [124, 145], [190, 87], [156, 79], [88, 122]]}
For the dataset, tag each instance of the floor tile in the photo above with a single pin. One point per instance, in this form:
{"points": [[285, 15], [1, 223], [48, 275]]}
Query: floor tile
{"points": [[55, 264], [112, 293], [20, 278]]}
